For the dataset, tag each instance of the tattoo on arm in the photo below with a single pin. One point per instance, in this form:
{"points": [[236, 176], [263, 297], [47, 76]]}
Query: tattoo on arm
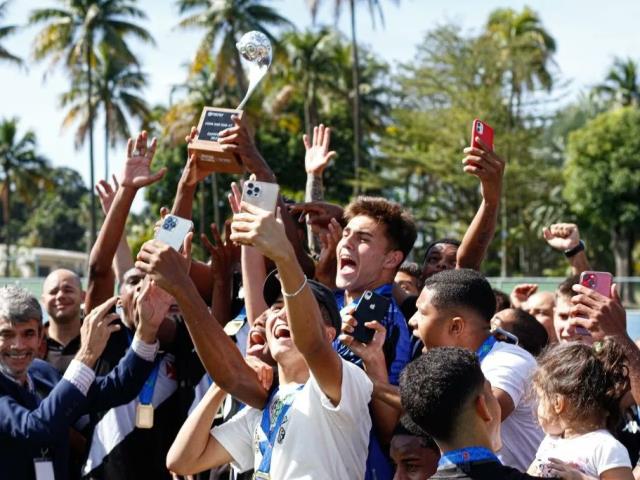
{"points": [[314, 191]]}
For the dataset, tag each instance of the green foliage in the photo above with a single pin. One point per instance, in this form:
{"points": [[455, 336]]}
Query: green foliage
{"points": [[603, 169], [5, 31]]}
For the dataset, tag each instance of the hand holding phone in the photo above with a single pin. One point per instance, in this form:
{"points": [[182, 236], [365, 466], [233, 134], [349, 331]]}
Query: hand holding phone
{"points": [[484, 131], [371, 306], [173, 231], [601, 283]]}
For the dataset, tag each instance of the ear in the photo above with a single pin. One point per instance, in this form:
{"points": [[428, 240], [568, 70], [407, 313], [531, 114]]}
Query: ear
{"points": [[482, 409], [83, 294], [393, 259], [330, 333], [456, 326], [558, 403]]}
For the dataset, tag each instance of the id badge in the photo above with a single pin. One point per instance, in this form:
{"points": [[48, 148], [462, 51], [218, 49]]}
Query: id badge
{"points": [[261, 476], [44, 469], [144, 416]]}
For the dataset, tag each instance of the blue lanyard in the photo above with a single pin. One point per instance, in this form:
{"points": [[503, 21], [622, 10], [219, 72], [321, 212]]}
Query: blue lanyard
{"points": [[271, 424], [467, 455], [146, 394], [486, 347]]}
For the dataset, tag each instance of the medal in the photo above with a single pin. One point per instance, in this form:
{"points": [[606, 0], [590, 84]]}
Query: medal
{"points": [[144, 416], [261, 476]]}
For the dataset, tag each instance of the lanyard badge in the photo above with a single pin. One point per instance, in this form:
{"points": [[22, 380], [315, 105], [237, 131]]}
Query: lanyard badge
{"points": [[273, 417], [144, 409]]}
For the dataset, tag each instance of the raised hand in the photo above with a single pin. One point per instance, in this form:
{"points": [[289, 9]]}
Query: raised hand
{"points": [[194, 172], [258, 228], [164, 265], [318, 214], [327, 261], [106, 193], [137, 169], [600, 315], [224, 254], [371, 352], [521, 293], [562, 236], [317, 155], [95, 331], [152, 306], [238, 140], [485, 164]]}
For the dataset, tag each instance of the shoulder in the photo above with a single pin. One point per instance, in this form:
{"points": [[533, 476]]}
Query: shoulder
{"points": [[41, 370], [508, 355]]}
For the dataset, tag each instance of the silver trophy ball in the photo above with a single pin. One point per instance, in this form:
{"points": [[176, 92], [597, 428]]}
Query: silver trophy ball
{"points": [[256, 49]]}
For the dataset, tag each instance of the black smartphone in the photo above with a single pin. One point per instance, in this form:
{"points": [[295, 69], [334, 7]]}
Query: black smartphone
{"points": [[371, 306]]}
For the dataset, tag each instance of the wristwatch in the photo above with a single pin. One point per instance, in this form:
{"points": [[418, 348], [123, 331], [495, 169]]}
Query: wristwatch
{"points": [[575, 250]]}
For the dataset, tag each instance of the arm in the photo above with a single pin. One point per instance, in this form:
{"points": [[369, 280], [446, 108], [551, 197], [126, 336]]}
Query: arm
{"points": [[327, 261], [489, 168], [317, 157], [123, 260], [521, 293], [260, 229], [385, 414], [217, 351], [136, 175], [505, 401], [604, 316], [194, 448], [565, 237]]}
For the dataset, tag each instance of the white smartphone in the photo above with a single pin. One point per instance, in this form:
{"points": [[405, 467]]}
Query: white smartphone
{"points": [[261, 194], [173, 231]]}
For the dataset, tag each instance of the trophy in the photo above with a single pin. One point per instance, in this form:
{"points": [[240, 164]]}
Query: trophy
{"points": [[256, 49]]}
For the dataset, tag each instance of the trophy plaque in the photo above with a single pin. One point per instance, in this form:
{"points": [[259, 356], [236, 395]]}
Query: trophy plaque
{"points": [[256, 49]]}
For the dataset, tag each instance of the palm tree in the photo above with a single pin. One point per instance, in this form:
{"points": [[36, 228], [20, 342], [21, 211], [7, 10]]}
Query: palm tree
{"points": [[374, 5], [622, 84], [526, 51], [71, 34], [5, 31], [23, 172], [225, 21], [117, 87], [526, 54]]}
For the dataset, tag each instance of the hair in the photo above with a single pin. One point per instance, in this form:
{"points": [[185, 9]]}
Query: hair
{"points": [[565, 289], [406, 426], [411, 268], [464, 288], [502, 300], [436, 387], [440, 241], [17, 305], [592, 379], [532, 336], [400, 228]]}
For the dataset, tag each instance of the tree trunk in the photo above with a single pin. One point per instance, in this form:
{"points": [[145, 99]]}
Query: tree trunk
{"points": [[621, 246], [106, 144], [7, 220], [356, 101], [92, 181], [215, 195]]}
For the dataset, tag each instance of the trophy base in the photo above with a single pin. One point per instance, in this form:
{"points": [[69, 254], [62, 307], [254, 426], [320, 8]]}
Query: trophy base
{"points": [[206, 147], [213, 158]]}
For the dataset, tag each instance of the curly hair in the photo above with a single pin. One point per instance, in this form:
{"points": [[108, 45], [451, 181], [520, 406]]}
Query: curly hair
{"points": [[593, 379]]}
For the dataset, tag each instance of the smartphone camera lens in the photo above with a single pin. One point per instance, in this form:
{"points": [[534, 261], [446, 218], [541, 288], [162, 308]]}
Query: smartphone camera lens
{"points": [[479, 128], [256, 191], [367, 295], [169, 223]]}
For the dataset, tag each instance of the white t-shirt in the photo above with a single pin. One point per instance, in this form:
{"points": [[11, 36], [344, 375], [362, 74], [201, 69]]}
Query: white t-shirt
{"points": [[320, 441], [592, 453], [510, 368]]}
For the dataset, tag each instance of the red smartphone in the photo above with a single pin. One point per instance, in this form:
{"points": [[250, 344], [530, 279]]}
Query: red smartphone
{"points": [[482, 130], [598, 281]]}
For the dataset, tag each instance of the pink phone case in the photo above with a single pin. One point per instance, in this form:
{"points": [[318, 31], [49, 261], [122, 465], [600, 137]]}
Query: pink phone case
{"points": [[482, 130], [598, 281]]}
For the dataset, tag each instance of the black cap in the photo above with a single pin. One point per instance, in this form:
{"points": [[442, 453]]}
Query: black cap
{"points": [[272, 291]]}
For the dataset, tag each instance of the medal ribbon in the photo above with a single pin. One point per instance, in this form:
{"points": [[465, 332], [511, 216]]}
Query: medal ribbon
{"points": [[146, 394], [486, 347], [467, 455], [270, 428]]}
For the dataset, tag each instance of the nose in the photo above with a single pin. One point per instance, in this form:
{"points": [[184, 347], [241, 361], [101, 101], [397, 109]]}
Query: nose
{"points": [[413, 322]]}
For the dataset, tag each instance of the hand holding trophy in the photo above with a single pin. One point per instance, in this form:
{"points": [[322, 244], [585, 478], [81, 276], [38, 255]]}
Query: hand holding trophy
{"points": [[256, 49]]}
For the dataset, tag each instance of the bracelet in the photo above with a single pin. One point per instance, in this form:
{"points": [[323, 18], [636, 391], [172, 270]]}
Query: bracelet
{"points": [[575, 250], [291, 295]]}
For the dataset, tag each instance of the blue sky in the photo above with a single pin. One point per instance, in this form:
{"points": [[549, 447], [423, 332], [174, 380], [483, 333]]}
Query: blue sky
{"points": [[589, 34]]}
